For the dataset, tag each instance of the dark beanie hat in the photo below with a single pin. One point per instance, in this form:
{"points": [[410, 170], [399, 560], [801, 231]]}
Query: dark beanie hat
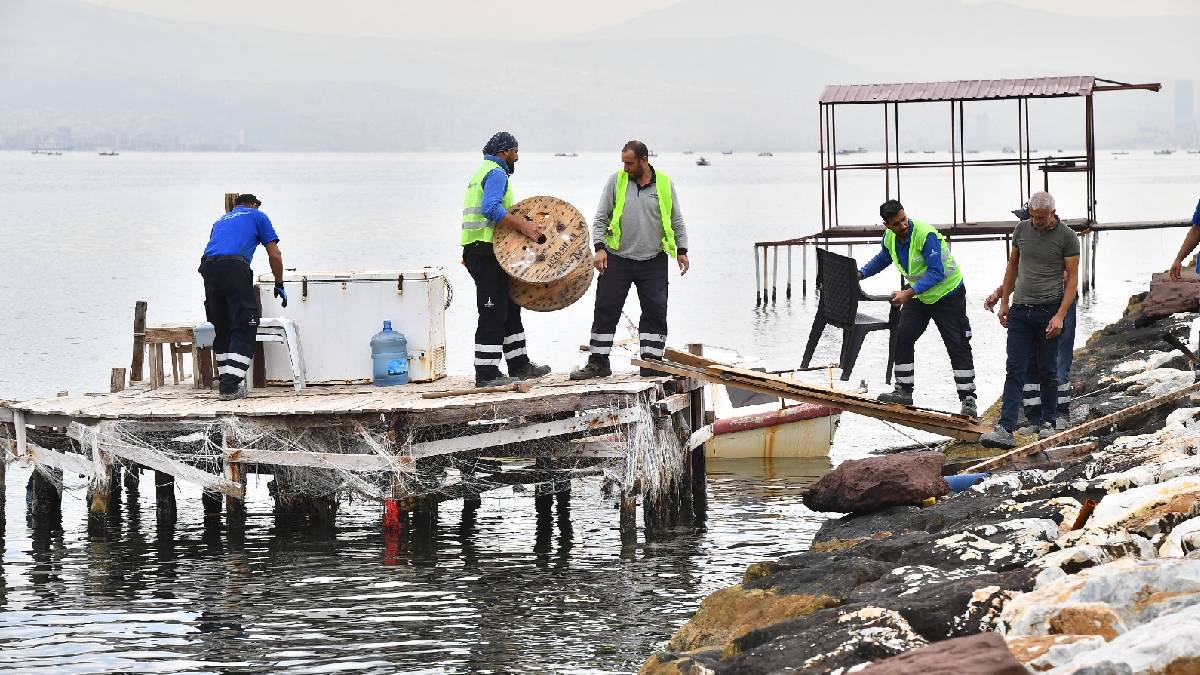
{"points": [[499, 142]]}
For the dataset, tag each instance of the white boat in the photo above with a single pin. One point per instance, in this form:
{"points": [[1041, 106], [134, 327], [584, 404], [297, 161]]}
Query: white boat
{"points": [[802, 431]]}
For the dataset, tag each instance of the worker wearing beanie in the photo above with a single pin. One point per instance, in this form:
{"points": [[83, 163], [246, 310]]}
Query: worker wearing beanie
{"points": [[499, 333]]}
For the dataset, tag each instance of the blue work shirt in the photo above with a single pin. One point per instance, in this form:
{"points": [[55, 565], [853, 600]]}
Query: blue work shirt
{"points": [[495, 184], [1196, 222], [931, 251], [239, 232]]}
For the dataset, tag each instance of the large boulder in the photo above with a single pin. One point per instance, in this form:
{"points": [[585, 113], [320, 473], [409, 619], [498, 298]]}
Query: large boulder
{"points": [[1165, 645], [983, 654], [1168, 296], [865, 485], [1106, 600], [732, 612]]}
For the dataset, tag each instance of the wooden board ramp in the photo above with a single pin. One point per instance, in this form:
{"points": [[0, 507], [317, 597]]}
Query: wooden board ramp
{"points": [[689, 365], [1081, 430]]}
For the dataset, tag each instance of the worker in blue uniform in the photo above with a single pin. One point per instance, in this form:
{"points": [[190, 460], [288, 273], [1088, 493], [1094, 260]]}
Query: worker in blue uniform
{"points": [[934, 291], [230, 301]]}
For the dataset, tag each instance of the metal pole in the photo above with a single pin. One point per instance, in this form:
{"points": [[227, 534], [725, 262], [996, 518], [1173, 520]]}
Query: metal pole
{"points": [[1090, 149], [1028, 154], [821, 158], [953, 177], [788, 292], [804, 270], [896, 119], [887, 143], [774, 274], [1020, 145], [833, 153], [963, 166], [764, 276], [757, 296]]}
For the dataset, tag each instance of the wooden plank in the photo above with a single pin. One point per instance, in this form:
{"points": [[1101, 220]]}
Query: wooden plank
{"points": [[671, 404], [159, 462], [319, 460], [1077, 432], [529, 432], [938, 423], [700, 437], [22, 438], [139, 341]]}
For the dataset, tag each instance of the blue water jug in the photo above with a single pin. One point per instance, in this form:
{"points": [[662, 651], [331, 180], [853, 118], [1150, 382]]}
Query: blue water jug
{"points": [[389, 357]]}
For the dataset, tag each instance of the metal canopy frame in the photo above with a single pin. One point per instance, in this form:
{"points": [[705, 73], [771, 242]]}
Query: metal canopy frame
{"points": [[956, 94]]}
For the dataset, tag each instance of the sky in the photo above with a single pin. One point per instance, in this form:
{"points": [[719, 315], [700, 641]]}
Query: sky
{"points": [[519, 20]]}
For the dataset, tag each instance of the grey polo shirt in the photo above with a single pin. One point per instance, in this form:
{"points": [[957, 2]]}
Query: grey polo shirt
{"points": [[641, 224], [1042, 262]]}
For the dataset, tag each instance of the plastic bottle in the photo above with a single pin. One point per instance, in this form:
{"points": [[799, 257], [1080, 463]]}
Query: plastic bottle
{"points": [[389, 356]]}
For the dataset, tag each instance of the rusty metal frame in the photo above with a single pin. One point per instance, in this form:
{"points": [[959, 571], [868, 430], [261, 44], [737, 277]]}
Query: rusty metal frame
{"points": [[958, 163]]}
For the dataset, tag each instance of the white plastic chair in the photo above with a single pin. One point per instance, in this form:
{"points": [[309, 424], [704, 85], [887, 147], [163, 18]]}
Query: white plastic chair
{"points": [[285, 331]]}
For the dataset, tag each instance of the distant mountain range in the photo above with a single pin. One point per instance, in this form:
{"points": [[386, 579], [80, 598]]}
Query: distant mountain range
{"points": [[695, 74]]}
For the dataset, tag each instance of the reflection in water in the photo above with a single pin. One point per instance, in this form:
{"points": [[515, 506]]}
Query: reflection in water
{"points": [[495, 585]]}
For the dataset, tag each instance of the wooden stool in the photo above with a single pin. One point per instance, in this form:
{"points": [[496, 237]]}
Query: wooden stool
{"points": [[178, 337]]}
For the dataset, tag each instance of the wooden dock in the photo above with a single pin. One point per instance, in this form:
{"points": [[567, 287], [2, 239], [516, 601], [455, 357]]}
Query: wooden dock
{"points": [[426, 450]]}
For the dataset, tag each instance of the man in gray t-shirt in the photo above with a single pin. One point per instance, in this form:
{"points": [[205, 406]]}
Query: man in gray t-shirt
{"points": [[1042, 270]]}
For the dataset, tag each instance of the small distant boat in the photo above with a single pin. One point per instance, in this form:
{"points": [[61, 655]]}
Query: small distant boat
{"points": [[929, 152], [687, 152], [565, 154], [910, 151], [765, 154], [1059, 150], [1193, 152], [1008, 151], [653, 154], [726, 152], [1122, 152], [1164, 152], [108, 153], [51, 153], [702, 162], [972, 152]]}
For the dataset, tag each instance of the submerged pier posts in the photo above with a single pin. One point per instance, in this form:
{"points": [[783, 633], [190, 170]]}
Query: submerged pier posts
{"points": [[699, 468], [43, 501], [788, 293], [164, 498]]}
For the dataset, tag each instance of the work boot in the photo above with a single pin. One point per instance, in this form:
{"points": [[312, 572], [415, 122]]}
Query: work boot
{"points": [[240, 392], [969, 408], [1046, 431], [594, 368], [999, 437], [497, 381], [528, 371], [1029, 429], [897, 395]]}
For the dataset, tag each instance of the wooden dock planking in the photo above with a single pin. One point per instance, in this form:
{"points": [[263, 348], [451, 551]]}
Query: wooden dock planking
{"points": [[181, 402]]}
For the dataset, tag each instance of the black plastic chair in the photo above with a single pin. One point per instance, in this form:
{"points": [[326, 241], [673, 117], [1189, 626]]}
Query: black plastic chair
{"points": [[839, 295]]}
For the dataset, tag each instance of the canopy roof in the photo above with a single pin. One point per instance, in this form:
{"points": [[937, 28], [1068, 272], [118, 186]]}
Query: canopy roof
{"points": [[960, 90]]}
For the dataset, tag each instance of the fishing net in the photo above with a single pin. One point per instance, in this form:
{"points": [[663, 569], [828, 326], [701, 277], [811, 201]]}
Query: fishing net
{"points": [[369, 458]]}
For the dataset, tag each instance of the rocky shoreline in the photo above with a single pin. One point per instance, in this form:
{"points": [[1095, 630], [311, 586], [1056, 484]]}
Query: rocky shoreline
{"points": [[1012, 575]]}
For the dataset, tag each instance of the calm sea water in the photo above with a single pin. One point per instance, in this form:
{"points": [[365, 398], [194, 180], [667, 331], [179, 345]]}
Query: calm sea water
{"points": [[86, 236]]}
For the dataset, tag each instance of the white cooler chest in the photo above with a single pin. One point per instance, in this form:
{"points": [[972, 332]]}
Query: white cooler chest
{"points": [[337, 314]]}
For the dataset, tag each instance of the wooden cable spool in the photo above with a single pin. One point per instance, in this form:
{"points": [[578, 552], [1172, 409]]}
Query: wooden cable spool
{"points": [[555, 271]]}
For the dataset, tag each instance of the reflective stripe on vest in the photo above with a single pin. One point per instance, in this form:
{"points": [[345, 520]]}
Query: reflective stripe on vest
{"points": [[475, 225], [666, 206], [917, 269]]}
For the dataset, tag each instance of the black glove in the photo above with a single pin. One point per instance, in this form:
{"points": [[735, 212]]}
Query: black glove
{"points": [[281, 294]]}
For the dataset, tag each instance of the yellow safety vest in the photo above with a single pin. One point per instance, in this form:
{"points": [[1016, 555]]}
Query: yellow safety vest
{"points": [[918, 231], [666, 206], [475, 225]]}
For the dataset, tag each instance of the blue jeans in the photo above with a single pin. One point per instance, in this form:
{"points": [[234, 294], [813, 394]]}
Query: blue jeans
{"points": [[1032, 398], [1027, 341]]}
